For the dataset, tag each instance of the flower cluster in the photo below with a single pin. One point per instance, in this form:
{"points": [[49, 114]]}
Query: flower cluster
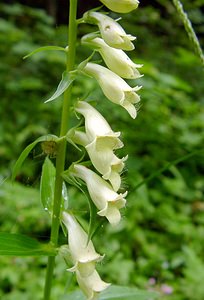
{"points": [[99, 140]]}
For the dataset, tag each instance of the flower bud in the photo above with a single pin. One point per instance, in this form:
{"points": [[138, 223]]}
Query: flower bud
{"points": [[114, 87], [121, 6], [115, 59], [112, 33], [104, 197]]}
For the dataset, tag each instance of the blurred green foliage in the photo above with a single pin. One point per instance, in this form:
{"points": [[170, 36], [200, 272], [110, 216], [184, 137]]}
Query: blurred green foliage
{"points": [[160, 243]]}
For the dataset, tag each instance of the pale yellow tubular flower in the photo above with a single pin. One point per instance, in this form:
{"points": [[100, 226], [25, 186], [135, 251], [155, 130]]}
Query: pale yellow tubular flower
{"points": [[115, 59], [96, 125], [112, 33], [101, 154], [102, 194], [82, 251], [105, 161], [91, 285], [114, 87], [100, 144]]}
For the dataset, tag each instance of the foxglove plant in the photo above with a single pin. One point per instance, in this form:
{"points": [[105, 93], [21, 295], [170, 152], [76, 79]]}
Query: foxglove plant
{"points": [[102, 181]]}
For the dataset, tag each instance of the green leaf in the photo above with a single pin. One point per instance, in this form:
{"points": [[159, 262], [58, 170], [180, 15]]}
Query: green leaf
{"points": [[21, 245], [126, 293], [76, 295], [46, 48], [67, 79], [117, 293], [27, 150], [47, 184]]}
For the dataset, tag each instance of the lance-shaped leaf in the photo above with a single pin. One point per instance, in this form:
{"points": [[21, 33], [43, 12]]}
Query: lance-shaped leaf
{"points": [[67, 79], [46, 48], [47, 187], [21, 245], [117, 293], [47, 184], [27, 150], [128, 293]]}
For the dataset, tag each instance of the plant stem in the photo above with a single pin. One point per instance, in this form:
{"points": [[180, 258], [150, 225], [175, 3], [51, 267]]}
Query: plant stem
{"points": [[60, 159], [189, 29]]}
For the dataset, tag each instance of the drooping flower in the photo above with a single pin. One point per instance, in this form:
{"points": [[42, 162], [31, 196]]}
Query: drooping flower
{"points": [[82, 252], [112, 33], [115, 59], [100, 142], [91, 285], [114, 87], [106, 162], [96, 125], [84, 256], [101, 154], [121, 6], [102, 194]]}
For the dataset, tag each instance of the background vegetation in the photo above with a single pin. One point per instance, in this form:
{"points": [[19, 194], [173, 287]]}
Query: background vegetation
{"points": [[160, 243]]}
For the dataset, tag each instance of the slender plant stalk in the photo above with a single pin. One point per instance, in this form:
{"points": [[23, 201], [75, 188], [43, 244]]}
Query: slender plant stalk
{"points": [[189, 29], [166, 167], [60, 159]]}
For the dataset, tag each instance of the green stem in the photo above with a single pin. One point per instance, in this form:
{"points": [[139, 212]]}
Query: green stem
{"points": [[60, 159], [166, 167], [189, 29]]}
